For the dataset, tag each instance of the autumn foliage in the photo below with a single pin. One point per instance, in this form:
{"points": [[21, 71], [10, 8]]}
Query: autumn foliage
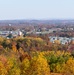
{"points": [[34, 56]]}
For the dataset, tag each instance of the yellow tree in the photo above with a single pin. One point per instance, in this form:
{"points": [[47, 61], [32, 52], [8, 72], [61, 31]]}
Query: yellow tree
{"points": [[69, 67], [39, 66], [13, 67], [25, 67]]}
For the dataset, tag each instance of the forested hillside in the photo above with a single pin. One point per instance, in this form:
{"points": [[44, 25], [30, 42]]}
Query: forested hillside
{"points": [[34, 56]]}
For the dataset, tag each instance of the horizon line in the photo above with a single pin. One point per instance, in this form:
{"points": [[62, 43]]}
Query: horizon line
{"points": [[35, 19]]}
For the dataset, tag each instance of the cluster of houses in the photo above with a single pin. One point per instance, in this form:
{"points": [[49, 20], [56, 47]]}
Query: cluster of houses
{"points": [[61, 40], [19, 32], [43, 31], [11, 34]]}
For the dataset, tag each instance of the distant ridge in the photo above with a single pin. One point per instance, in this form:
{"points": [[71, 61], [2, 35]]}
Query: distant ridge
{"points": [[18, 22]]}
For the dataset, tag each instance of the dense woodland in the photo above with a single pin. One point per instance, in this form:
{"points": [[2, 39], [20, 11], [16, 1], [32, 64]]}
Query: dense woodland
{"points": [[35, 56]]}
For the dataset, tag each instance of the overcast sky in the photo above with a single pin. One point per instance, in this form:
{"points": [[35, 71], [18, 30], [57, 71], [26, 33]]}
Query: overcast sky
{"points": [[36, 9]]}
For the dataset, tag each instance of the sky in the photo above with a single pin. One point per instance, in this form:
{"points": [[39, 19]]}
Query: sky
{"points": [[36, 9]]}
